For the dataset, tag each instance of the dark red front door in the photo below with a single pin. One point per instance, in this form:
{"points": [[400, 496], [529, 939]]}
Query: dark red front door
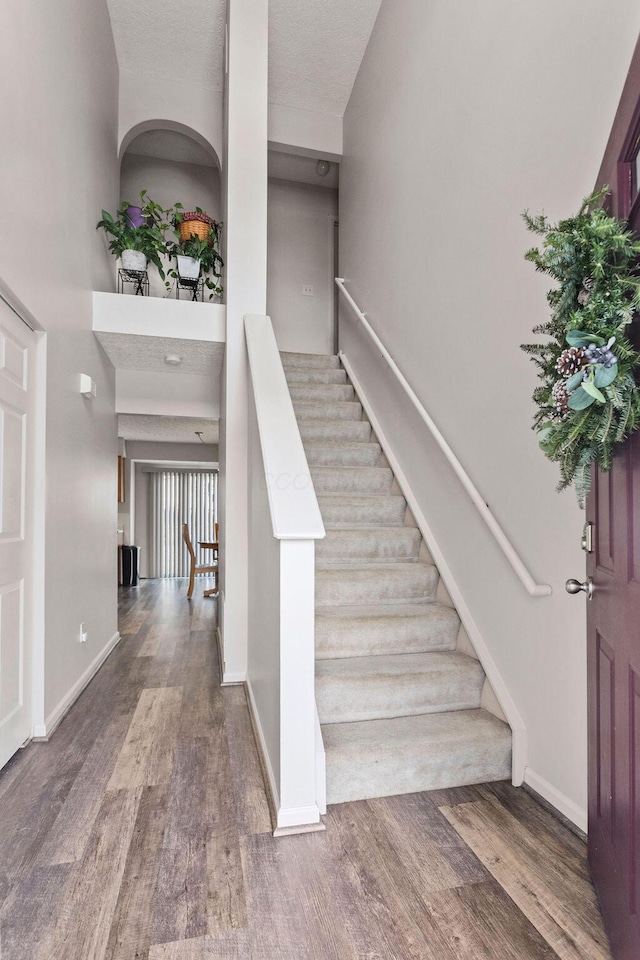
{"points": [[614, 698]]}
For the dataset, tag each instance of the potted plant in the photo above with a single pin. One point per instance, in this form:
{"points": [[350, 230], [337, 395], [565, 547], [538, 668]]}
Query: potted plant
{"points": [[196, 250], [137, 233]]}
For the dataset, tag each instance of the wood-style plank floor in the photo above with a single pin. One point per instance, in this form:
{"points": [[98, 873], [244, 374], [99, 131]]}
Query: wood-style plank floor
{"points": [[141, 831]]}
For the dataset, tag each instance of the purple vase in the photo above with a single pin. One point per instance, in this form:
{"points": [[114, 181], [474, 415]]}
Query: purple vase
{"points": [[135, 218]]}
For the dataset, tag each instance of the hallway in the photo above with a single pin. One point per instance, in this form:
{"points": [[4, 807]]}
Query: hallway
{"points": [[142, 832]]}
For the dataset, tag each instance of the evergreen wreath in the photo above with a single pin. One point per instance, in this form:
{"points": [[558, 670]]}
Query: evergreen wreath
{"points": [[588, 401]]}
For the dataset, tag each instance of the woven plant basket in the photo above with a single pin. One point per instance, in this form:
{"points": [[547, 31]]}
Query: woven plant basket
{"points": [[195, 224], [189, 228]]}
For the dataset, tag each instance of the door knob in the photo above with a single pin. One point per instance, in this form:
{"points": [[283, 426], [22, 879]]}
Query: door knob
{"points": [[574, 586]]}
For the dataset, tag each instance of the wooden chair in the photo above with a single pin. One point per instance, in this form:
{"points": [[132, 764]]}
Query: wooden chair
{"points": [[193, 568]]}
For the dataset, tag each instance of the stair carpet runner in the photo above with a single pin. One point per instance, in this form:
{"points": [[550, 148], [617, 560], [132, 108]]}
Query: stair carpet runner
{"points": [[399, 706]]}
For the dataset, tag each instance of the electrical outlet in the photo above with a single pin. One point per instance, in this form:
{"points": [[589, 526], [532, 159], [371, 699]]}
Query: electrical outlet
{"points": [[83, 634], [307, 290]]}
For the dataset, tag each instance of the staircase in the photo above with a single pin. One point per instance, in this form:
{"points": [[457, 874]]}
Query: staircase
{"points": [[399, 705]]}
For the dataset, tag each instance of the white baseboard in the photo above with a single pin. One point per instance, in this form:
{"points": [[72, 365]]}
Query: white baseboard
{"points": [[262, 743], [548, 792], [293, 819], [42, 731], [511, 712], [231, 679]]}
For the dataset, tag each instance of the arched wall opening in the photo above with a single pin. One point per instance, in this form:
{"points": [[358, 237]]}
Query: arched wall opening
{"points": [[173, 163]]}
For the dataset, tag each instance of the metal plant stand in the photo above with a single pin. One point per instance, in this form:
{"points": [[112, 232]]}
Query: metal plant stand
{"points": [[139, 279], [194, 287]]}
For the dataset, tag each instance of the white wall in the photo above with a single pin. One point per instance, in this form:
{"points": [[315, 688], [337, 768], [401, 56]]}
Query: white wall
{"points": [[455, 125], [153, 103], [167, 182], [167, 394], [300, 251], [58, 168]]}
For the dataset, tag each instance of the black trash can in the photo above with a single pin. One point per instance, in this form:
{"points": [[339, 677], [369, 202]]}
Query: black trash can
{"points": [[129, 566]]}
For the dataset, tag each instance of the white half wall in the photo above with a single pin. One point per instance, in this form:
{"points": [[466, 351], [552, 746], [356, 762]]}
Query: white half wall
{"points": [[455, 125], [300, 253]]}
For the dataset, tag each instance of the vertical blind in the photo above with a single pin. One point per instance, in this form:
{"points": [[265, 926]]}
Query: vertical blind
{"points": [[177, 497]]}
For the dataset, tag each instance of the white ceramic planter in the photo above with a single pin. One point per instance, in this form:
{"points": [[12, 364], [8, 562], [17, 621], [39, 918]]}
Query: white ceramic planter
{"points": [[188, 268], [133, 260]]}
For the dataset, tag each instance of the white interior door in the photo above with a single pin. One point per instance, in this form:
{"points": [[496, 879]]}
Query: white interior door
{"points": [[17, 349]]}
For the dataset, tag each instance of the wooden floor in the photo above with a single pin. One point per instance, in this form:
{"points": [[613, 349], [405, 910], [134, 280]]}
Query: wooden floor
{"points": [[142, 832]]}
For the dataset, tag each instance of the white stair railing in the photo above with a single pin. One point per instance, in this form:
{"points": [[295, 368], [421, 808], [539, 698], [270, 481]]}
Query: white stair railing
{"points": [[284, 523], [533, 589]]}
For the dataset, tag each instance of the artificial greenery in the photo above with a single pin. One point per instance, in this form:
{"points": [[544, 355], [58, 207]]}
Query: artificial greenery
{"points": [[148, 238], [206, 251], [588, 401]]}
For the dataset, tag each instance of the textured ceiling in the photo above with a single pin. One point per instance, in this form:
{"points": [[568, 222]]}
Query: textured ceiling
{"points": [[181, 40], [132, 352], [315, 46], [166, 429], [315, 50], [169, 145]]}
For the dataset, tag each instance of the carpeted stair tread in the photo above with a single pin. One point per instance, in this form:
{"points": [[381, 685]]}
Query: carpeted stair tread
{"points": [[315, 375], [344, 511], [363, 481], [351, 430], [321, 391], [379, 758], [377, 630], [324, 453], [373, 544], [400, 685], [327, 409], [309, 360], [375, 583]]}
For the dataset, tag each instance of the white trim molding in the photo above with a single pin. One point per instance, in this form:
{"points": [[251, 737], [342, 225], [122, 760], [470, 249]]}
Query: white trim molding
{"points": [[533, 589], [42, 731], [577, 815], [511, 712]]}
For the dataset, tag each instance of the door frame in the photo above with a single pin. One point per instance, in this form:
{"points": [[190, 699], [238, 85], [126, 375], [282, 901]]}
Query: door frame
{"points": [[34, 513]]}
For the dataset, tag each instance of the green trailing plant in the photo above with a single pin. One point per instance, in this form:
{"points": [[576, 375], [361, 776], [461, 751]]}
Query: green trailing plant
{"points": [[148, 238], [207, 251], [588, 401]]}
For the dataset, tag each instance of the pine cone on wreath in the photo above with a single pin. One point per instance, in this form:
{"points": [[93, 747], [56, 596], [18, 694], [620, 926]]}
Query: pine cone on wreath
{"points": [[585, 294], [560, 398], [571, 360]]}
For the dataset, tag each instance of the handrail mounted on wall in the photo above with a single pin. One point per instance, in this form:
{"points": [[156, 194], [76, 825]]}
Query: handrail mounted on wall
{"points": [[533, 589]]}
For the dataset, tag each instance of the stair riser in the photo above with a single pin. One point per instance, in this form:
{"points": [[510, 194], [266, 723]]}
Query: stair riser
{"points": [[388, 512], [383, 545], [360, 455], [348, 430], [315, 392], [325, 410], [349, 702], [381, 636], [312, 360], [352, 778], [406, 584], [372, 482], [315, 375]]}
